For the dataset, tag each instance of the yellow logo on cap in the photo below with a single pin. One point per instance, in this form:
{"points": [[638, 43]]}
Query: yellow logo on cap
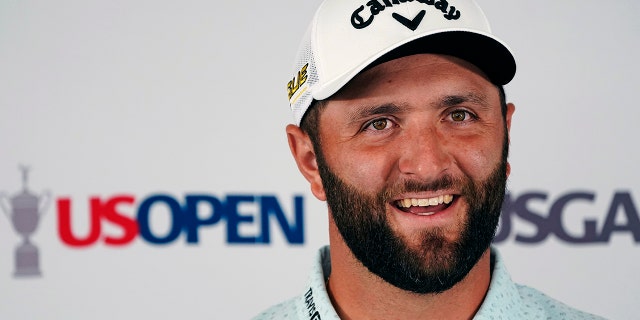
{"points": [[297, 81]]}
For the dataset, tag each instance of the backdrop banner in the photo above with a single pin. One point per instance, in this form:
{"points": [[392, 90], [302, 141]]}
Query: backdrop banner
{"points": [[145, 172]]}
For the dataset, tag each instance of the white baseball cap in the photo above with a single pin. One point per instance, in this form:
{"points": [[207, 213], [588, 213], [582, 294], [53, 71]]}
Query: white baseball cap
{"points": [[347, 36]]}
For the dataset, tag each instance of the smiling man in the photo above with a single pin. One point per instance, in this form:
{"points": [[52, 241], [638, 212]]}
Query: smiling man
{"points": [[402, 127]]}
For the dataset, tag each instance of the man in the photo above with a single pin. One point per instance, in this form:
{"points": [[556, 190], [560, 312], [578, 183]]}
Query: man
{"points": [[403, 128]]}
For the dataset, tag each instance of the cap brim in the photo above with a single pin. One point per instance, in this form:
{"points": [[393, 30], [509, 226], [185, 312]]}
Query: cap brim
{"points": [[486, 53]]}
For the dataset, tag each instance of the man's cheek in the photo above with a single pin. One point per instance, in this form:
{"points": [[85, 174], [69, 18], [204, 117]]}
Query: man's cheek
{"points": [[479, 163]]}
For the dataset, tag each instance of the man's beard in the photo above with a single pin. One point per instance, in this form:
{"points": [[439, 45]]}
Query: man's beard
{"points": [[437, 264]]}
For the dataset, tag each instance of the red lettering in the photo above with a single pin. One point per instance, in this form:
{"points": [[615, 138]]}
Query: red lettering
{"points": [[64, 223], [129, 225], [98, 210]]}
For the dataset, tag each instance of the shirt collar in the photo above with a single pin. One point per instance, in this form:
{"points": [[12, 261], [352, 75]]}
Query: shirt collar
{"points": [[315, 301], [502, 295]]}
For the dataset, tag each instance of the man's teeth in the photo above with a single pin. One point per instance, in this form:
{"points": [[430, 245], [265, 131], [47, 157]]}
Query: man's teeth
{"points": [[406, 203]]}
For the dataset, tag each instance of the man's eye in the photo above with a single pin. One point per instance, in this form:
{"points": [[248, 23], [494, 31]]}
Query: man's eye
{"points": [[459, 115], [379, 124]]}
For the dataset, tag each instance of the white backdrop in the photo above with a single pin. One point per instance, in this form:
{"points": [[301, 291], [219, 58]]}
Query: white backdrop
{"points": [[142, 98]]}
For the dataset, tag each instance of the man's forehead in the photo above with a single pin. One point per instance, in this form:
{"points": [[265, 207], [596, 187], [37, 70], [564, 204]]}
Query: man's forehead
{"points": [[434, 65]]}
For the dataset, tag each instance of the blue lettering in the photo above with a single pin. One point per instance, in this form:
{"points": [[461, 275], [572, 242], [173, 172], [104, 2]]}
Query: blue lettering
{"points": [[193, 220], [293, 232], [235, 218], [176, 217]]}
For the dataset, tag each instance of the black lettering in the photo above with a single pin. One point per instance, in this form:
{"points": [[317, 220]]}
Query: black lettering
{"points": [[308, 296], [556, 213], [520, 208], [504, 228], [311, 306], [375, 7], [357, 21], [442, 5], [453, 14], [621, 200]]}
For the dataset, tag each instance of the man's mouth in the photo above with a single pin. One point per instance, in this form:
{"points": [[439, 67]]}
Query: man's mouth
{"points": [[424, 206]]}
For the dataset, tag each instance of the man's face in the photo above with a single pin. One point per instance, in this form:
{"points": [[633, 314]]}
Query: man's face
{"points": [[413, 167]]}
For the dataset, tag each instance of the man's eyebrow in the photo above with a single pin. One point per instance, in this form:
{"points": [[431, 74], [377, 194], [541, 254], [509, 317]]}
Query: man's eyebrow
{"points": [[367, 111], [454, 100]]}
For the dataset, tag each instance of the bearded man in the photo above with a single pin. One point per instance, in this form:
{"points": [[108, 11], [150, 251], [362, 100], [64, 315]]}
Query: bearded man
{"points": [[402, 127]]}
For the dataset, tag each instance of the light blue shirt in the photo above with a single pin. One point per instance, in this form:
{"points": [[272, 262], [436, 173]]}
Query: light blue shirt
{"points": [[505, 299]]}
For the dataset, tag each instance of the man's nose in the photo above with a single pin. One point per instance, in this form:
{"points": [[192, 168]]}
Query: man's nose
{"points": [[424, 154]]}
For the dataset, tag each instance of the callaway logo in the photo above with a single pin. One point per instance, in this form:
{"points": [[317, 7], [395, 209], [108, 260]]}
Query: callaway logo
{"points": [[377, 6], [411, 24]]}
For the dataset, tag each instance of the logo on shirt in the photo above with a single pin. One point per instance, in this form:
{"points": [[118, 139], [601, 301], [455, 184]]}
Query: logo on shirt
{"points": [[311, 306]]}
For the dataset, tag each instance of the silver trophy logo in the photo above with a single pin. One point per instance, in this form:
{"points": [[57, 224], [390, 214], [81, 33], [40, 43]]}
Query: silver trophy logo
{"points": [[24, 212]]}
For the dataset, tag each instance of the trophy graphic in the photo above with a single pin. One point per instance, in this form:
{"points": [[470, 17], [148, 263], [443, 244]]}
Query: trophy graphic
{"points": [[24, 213]]}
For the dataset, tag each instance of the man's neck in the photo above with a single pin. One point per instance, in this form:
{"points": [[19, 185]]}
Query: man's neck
{"points": [[356, 293]]}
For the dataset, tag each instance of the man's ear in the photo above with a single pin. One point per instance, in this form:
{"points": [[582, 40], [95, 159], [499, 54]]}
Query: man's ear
{"points": [[511, 108], [305, 157]]}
